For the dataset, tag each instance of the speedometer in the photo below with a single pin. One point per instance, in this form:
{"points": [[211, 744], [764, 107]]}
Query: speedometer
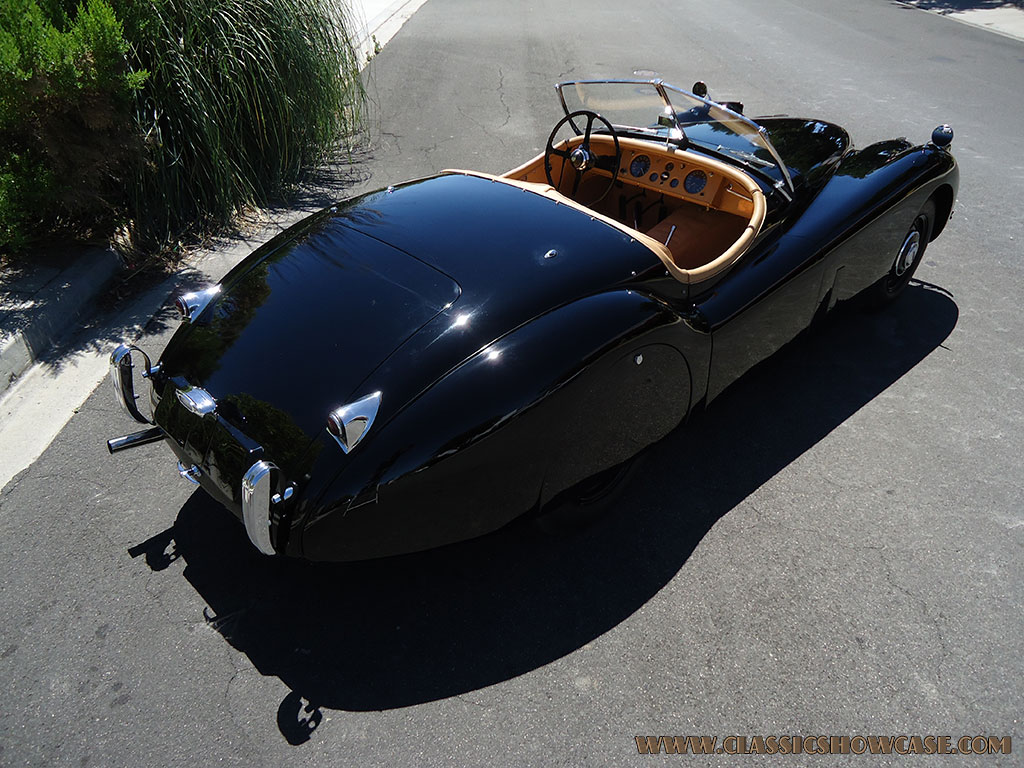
{"points": [[640, 166], [695, 182]]}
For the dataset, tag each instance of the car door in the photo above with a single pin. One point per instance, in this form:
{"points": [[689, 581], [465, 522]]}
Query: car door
{"points": [[763, 303]]}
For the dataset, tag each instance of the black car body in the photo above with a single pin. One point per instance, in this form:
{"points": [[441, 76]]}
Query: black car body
{"points": [[422, 364]]}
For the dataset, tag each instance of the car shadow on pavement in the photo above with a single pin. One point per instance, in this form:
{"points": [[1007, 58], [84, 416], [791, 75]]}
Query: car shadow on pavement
{"points": [[406, 630]]}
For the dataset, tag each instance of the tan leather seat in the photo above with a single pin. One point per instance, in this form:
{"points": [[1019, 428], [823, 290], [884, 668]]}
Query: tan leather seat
{"points": [[700, 236]]}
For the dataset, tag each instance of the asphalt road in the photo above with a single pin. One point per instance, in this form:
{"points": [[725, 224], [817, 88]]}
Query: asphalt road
{"points": [[834, 548]]}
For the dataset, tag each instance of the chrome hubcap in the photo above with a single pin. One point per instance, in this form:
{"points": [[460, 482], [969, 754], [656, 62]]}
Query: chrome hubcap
{"points": [[908, 252]]}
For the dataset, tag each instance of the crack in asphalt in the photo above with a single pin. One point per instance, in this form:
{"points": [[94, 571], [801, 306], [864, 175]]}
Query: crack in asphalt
{"points": [[501, 98], [925, 614], [395, 138], [463, 699], [488, 132], [15, 482], [473, 120], [12, 486], [237, 718]]}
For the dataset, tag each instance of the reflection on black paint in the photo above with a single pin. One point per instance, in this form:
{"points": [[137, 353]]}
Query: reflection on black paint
{"points": [[227, 319], [274, 429], [859, 164], [808, 147]]}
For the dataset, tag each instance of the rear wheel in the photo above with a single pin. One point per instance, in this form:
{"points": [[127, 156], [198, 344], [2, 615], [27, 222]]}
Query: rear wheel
{"points": [[588, 500], [908, 257]]}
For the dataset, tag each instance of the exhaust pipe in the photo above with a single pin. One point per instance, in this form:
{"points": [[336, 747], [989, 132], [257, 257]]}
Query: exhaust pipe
{"points": [[135, 439]]}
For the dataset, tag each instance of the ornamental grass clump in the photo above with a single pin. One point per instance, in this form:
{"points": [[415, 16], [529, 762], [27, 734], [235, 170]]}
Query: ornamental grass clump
{"points": [[242, 97]]}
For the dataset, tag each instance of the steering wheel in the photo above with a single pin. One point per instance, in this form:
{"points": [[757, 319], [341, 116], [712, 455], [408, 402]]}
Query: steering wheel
{"points": [[582, 158]]}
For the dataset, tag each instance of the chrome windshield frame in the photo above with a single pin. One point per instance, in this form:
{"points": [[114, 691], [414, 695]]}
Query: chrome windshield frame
{"points": [[662, 88]]}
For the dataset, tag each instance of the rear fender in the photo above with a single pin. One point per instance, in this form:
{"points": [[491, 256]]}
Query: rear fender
{"points": [[571, 393]]}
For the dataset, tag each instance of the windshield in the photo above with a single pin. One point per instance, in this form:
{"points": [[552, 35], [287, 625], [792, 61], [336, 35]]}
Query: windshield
{"points": [[654, 108]]}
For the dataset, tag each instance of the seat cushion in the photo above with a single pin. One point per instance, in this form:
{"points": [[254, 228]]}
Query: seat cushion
{"points": [[701, 235]]}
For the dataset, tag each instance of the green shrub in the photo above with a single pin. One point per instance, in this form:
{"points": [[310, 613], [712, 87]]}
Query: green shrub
{"points": [[243, 96], [26, 186], [167, 116], [67, 136], [12, 235]]}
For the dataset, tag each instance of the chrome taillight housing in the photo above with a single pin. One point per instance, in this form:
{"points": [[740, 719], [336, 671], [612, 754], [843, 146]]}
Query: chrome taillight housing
{"points": [[189, 305], [350, 423]]}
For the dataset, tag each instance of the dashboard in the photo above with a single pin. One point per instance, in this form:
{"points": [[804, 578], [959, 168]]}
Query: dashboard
{"points": [[663, 170], [669, 174]]}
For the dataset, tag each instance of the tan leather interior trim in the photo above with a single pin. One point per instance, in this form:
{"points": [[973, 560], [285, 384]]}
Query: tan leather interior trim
{"points": [[524, 168], [550, 192], [743, 198]]}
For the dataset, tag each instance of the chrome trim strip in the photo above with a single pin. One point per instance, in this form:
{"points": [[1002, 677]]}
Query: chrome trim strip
{"points": [[771, 148], [256, 486]]}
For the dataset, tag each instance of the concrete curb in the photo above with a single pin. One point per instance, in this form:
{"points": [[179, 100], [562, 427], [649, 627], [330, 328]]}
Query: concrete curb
{"points": [[378, 22], [1006, 20], [33, 319]]}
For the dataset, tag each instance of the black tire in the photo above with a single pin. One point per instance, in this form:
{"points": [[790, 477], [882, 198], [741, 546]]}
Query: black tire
{"points": [[908, 257], [588, 501]]}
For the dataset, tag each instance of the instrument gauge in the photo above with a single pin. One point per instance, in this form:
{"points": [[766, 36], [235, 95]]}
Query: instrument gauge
{"points": [[640, 165], [695, 182]]}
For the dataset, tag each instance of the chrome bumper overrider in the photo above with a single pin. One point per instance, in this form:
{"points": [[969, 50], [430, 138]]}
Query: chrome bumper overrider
{"points": [[256, 500], [121, 367]]}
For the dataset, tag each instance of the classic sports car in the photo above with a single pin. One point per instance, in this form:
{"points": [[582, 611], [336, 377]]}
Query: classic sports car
{"points": [[422, 364]]}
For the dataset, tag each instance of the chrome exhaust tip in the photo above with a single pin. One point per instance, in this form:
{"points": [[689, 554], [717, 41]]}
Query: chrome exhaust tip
{"points": [[135, 439]]}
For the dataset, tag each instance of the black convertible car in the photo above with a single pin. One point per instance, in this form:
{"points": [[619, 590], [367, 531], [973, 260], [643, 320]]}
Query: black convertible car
{"points": [[422, 364]]}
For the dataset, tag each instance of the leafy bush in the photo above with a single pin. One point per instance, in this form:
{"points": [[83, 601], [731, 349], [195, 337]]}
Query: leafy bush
{"points": [[164, 115], [243, 96], [66, 132]]}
